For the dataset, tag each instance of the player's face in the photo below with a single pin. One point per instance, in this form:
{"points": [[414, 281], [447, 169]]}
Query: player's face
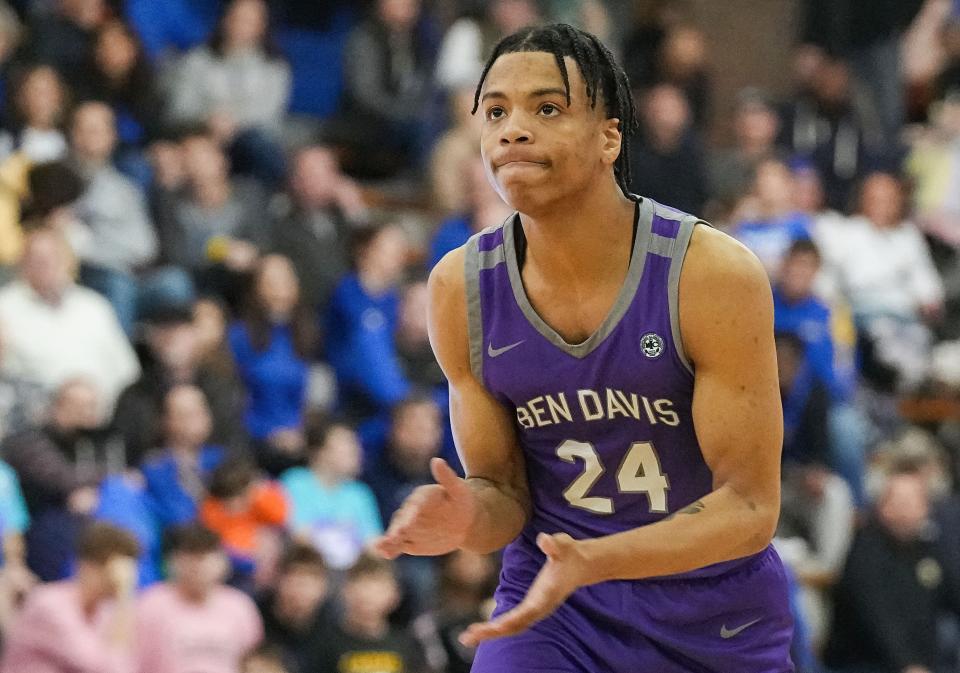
{"points": [[536, 148]]}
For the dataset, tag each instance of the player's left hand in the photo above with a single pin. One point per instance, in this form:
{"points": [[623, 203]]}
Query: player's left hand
{"points": [[565, 571]]}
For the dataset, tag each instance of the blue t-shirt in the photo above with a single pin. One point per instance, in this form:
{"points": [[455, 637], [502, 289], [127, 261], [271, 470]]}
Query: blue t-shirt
{"points": [[171, 503], [13, 510], [340, 520], [275, 380]]}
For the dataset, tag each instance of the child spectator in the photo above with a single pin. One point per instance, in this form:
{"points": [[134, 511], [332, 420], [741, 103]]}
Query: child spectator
{"points": [[85, 624], [243, 511], [299, 611], [370, 594], [193, 622], [329, 506]]}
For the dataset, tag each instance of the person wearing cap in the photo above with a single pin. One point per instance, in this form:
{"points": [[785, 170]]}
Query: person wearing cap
{"points": [[172, 357]]}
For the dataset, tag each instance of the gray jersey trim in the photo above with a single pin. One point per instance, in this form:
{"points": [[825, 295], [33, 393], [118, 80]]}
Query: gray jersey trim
{"points": [[682, 242], [620, 305], [489, 259], [661, 245], [471, 263]]}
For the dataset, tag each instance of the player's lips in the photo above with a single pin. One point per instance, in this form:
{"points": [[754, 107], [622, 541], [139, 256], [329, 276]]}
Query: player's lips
{"points": [[521, 163]]}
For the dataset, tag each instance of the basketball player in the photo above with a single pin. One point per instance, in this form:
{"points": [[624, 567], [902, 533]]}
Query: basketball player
{"points": [[613, 391]]}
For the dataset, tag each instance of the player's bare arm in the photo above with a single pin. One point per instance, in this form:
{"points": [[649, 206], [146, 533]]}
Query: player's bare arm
{"points": [[489, 508], [726, 320]]}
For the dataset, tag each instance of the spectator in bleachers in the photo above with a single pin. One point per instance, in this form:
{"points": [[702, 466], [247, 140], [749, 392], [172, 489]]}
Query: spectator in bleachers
{"points": [[389, 61], [369, 595], [55, 330], [826, 124], [15, 578], [471, 38], [667, 160], [315, 221], [172, 25], [85, 624], [682, 63], [298, 613], [118, 244], [248, 514], [11, 36], [193, 622], [892, 589], [211, 225], [483, 208], [755, 126], [65, 37], [881, 265], [361, 322], [35, 116], [767, 220], [121, 76], [799, 312], [177, 478], [329, 506], [172, 357], [272, 345], [239, 85], [23, 403]]}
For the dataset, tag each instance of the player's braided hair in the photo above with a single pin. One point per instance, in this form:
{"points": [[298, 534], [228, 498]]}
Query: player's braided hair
{"points": [[604, 77]]}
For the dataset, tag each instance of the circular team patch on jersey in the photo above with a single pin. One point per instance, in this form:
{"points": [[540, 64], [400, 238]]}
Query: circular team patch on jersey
{"points": [[651, 344]]}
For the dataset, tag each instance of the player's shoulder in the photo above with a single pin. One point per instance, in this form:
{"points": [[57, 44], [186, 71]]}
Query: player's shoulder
{"points": [[717, 262]]}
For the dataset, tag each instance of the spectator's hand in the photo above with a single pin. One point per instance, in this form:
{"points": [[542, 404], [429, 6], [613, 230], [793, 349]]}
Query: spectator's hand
{"points": [[434, 520], [240, 256], [122, 573], [83, 501], [565, 571], [288, 440]]}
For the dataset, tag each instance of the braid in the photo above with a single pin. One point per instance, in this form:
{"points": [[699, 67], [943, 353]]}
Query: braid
{"points": [[601, 73]]}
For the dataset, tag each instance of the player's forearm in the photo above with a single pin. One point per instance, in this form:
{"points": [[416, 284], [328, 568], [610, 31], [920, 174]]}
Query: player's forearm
{"points": [[721, 526], [502, 512]]}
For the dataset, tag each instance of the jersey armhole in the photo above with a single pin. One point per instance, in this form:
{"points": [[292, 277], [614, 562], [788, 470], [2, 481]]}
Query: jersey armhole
{"points": [[687, 225]]}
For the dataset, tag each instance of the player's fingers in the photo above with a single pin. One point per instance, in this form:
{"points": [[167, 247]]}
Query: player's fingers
{"points": [[446, 477], [387, 547], [548, 545], [507, 624]]}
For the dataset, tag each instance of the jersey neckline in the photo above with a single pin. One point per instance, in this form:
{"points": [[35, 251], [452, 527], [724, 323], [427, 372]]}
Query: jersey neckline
{"points": [[644, 215]]}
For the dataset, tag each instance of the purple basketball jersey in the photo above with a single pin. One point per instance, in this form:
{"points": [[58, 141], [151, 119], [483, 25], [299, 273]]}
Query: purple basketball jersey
{"points": [[605, 425], [607, 434]]}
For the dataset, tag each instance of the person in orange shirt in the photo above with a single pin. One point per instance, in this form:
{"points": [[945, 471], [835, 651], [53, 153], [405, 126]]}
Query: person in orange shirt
{"points": [[248, 514]]}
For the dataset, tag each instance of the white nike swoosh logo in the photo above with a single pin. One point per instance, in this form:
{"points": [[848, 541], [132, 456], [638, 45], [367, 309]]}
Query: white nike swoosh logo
{"points": [[496, 352], [730, 633]]}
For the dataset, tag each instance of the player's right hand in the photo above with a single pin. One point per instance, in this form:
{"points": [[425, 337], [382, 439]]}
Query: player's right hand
{"points": [[434, 520]]}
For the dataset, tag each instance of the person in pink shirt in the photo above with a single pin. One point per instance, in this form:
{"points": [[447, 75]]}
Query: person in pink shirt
{"points": [[194, 622], [84, 624]]}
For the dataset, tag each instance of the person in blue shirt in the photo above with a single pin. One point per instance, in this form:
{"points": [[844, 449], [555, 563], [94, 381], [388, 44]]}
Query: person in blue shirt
{"points": [[272, 346], [329, 507], [798, 311], [775, 222], [361, 323], [176, 478]]}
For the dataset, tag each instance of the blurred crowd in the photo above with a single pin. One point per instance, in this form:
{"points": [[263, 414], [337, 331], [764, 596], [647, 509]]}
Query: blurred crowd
{"points": [[216, 387]]}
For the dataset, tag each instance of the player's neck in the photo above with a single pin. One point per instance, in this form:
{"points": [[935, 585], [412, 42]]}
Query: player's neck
{"points": [[586, 232]]}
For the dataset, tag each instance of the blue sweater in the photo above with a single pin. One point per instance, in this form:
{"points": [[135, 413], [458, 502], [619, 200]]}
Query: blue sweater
{"points": [[452, 233], [172, 504], [361, 347], [809, 319], [275, 380]]}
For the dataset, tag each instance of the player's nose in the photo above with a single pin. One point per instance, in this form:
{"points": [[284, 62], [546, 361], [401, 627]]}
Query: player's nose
{"points": [[515, 130]]}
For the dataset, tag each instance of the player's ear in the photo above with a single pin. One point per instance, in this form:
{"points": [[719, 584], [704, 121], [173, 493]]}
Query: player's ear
{"points": [[611, 140]]}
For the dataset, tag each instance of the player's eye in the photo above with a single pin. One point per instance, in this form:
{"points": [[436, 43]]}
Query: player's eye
{"points": [[549, 110], [495, 112]]}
